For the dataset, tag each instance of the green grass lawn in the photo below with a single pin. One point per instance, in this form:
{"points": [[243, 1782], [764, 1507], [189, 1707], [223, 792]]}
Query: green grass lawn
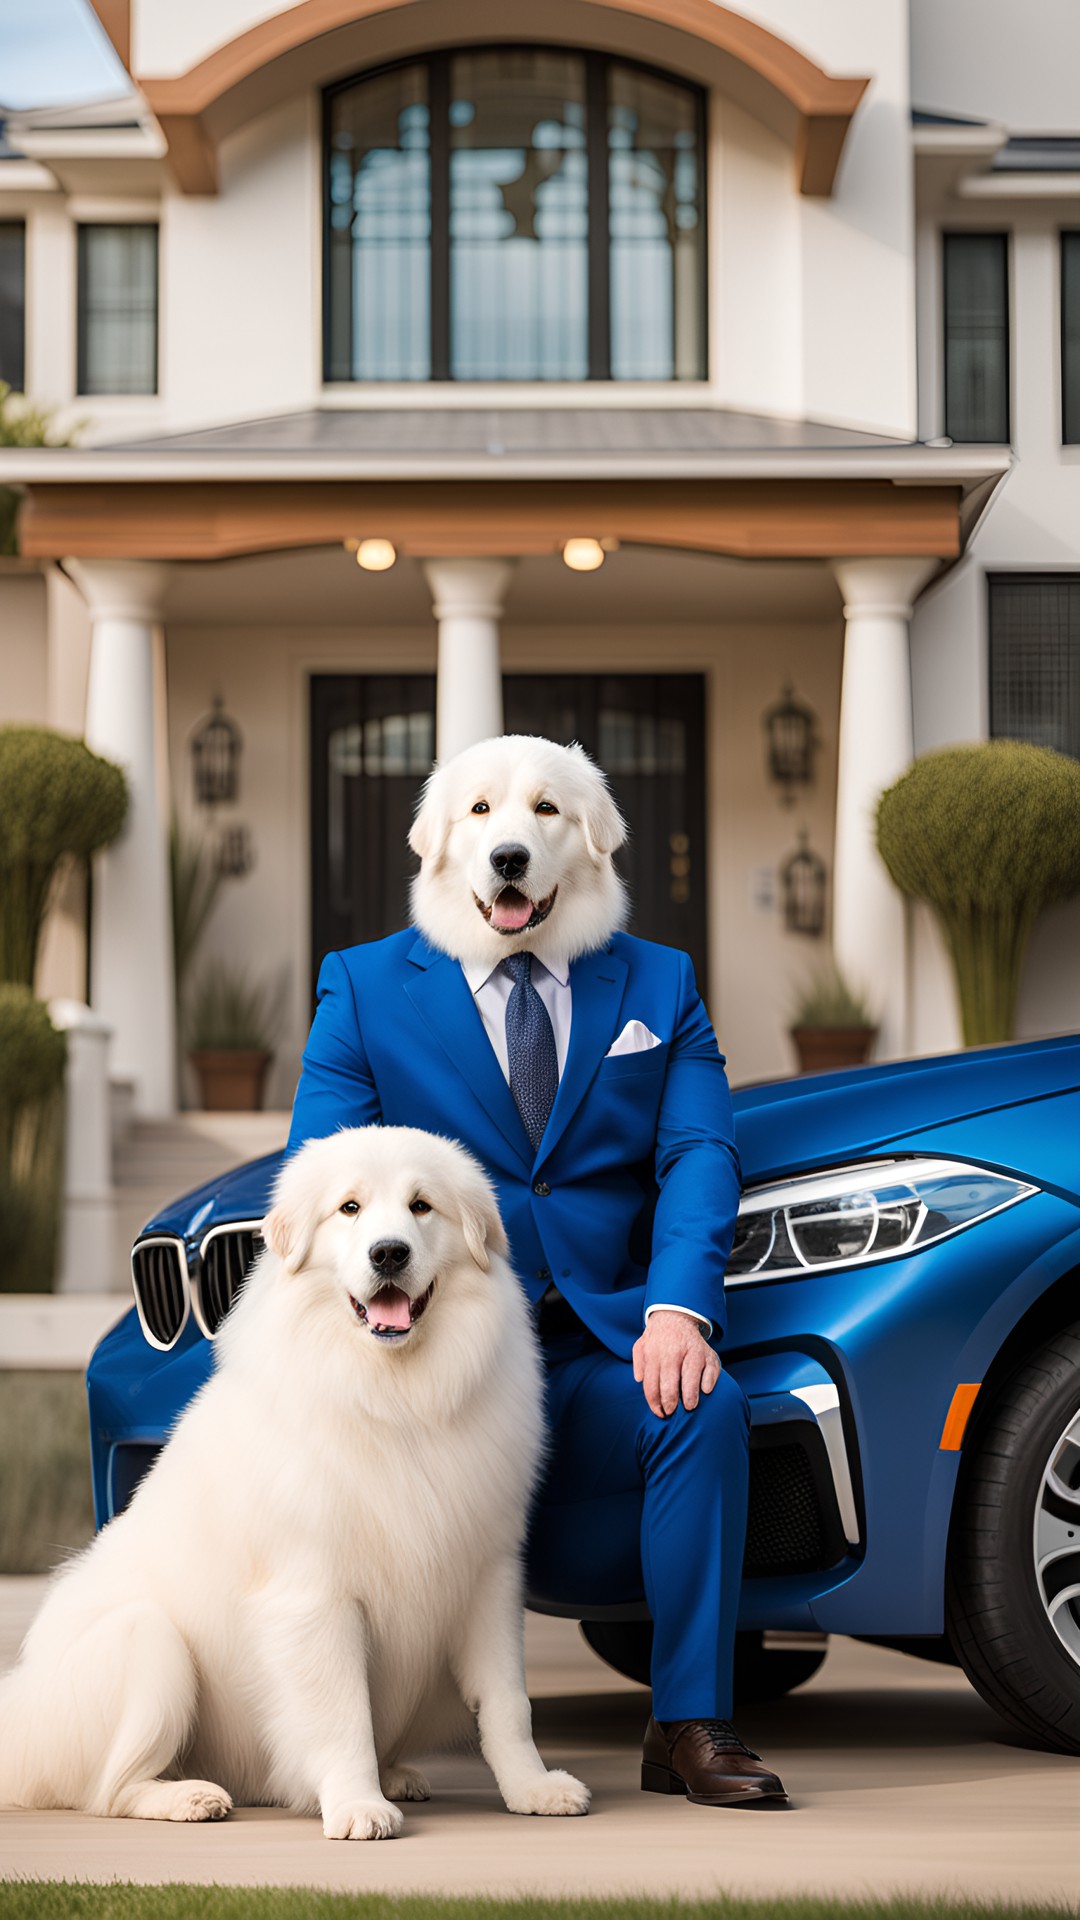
{"points": [[45, 1501], [58, 1900]]}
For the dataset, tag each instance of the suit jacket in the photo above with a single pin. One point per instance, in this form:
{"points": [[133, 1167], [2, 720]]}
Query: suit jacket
{"points": [[632, 1195]]}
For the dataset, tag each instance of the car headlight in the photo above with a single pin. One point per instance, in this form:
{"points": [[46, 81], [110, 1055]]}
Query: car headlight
{"points": [[848, 1216]]}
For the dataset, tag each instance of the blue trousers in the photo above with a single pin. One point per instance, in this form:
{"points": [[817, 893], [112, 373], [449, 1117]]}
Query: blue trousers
{"points": [[635, 1507]]}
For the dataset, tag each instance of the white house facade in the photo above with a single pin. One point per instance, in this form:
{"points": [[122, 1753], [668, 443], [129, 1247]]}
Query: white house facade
{"points": [[777, 311]]}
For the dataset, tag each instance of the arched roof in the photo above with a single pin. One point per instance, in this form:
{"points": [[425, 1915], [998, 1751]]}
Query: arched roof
{"points": [[779, 82]]}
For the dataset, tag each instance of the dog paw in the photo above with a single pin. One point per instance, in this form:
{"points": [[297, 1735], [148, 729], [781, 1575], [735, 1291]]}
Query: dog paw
{"points": [[363, 1820], [556, 1792], [404, 1783], [199, 1800]]}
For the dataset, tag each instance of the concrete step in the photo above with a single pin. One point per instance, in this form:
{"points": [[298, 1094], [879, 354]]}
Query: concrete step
{"points": [[160, 1159]]}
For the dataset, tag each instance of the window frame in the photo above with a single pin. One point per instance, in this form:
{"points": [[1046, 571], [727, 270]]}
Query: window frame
{"points": [[17, 222], [1020, 577], [83, 227], [597, 62], [1065, 233], [1004, 234]]}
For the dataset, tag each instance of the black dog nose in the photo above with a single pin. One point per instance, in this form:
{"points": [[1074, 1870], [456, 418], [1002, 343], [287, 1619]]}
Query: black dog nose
{"points": [[510, 862], [389, 1256]]}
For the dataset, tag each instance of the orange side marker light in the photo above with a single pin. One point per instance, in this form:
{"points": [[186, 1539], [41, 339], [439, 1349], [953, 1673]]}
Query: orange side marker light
{"points": [[956, 1419]]}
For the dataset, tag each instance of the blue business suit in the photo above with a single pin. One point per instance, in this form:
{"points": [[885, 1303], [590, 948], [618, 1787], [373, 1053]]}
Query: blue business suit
{"points": [[631, 1502]]}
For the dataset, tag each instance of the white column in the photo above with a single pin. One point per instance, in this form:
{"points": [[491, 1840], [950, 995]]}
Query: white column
{"points": [[131, 959], [86, 1241], [468, 600], [876, 745]]}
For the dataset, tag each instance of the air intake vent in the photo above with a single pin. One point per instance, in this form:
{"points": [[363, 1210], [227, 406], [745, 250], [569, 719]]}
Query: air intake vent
{"points": [[227, 1254], [159, 1275]]}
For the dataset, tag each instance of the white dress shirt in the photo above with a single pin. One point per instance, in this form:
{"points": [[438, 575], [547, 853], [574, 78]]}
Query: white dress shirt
{"points": [[491, 988]]}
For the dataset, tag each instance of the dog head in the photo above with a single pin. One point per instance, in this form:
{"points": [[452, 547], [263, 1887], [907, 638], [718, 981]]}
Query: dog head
{"points": [[380, 1223], [515, 837]]}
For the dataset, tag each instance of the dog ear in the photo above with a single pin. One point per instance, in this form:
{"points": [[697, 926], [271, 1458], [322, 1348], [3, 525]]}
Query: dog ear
{"points": [[602, 823], [289, 1227], [431, 828], [481, 1221]]}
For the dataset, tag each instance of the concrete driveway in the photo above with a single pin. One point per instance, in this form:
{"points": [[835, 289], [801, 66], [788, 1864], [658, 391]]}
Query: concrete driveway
{"points": [[902, 1780]]}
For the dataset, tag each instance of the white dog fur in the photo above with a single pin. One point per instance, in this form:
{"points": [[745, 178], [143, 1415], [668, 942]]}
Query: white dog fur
{"points": [[569, 850], [324, 1562]]}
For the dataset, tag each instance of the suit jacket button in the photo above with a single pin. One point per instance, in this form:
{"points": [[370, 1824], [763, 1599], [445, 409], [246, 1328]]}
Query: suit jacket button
{"points": [[543, 1273], [541, 1187]]}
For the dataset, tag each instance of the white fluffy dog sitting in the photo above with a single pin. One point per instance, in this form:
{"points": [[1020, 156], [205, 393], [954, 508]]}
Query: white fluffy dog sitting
{"points": [[324, 1562], [529, 828]]}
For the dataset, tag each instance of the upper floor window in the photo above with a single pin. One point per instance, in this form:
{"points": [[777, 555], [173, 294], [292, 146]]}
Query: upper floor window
{"points": [[1035, 659], [13, 303], [1070, 338], [976, 303], [118, 309], [515, 213]]}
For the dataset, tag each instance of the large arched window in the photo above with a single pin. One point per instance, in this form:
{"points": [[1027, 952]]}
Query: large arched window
{"points": [[515, 213]]}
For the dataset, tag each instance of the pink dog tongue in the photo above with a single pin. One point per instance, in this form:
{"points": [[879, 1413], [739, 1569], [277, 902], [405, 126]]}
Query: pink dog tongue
{"points": [[390, 1308], [511, 909]]}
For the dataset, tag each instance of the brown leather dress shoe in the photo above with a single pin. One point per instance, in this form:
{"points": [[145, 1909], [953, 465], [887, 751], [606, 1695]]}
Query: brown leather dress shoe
{"points": [[706, 1761]]}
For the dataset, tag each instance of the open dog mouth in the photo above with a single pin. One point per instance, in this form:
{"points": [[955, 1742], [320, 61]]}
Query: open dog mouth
{"points": [[390, 1314], [513, 912]]}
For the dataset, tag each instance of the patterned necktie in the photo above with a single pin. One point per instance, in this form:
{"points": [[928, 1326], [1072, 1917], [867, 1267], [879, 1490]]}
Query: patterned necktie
{"points": [[530, 1045]]}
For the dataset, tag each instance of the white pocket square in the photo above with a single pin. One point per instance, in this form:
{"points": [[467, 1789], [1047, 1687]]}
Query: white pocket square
{"points": [[634, 1038]]}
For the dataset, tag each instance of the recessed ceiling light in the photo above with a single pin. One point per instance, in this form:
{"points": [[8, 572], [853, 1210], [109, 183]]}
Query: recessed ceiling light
{"points": [[583, 555], [375, 556]]}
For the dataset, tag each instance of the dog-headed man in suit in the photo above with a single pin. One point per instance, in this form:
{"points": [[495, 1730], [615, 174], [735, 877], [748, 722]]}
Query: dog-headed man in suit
{"points": [[579, 1065]]}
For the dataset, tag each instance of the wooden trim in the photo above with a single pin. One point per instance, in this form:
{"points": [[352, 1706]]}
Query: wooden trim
{"points": [[823, 103], [115, 17], [952, 1436], [750, 519]]}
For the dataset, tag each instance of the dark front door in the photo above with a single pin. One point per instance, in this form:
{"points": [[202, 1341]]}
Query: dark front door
{"points": [[372, 740]]}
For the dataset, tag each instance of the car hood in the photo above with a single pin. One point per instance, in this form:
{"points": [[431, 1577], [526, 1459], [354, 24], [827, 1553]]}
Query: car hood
{"points": [[786, 1125], [782, 1126]]}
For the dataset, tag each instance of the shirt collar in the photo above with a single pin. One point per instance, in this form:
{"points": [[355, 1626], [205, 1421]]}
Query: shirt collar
{"points": [[479, 973]]}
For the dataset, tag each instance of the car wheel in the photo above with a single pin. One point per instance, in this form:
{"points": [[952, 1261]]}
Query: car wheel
{"points": [[1013, 1582], [761, 1672]]}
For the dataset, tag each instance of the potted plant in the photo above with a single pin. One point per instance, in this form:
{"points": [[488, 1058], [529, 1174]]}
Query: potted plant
{"points": [[989, 836], [232, 1024], [831, 1023]]}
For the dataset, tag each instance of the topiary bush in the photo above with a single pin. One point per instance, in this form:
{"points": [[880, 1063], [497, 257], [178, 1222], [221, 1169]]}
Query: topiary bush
{"points": [[56, 799], [988, 836], [32, 1060]]}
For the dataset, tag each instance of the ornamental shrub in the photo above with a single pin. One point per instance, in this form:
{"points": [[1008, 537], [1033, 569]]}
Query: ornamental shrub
{"points": [[56, 799], [32, 1059], [987, 835]]}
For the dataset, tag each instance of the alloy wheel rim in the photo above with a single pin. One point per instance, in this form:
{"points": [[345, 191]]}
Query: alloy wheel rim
{"points": [[1057, 1539]]}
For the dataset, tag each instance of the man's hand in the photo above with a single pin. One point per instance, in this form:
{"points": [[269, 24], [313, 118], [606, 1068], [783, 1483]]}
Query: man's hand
{"points": [[673, 1358]]}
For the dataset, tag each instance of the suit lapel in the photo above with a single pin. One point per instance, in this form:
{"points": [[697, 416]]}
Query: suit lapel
{"points": [[596, 985], [440, 993]]}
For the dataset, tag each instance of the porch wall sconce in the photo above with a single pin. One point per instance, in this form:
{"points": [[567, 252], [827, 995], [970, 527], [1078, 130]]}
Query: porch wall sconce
{"points": [[791, 732], [375, 555], [216, 747], [583, 554], [803, 877], [235, 856]]}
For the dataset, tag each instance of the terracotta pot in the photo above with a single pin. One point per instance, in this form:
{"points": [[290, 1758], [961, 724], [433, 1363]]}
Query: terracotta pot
{"points": [[231, 1080], [822, 1048]]}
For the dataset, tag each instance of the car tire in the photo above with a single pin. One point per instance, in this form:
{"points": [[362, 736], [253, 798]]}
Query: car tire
{"points": [[761, 1673], [1011, 1564]]}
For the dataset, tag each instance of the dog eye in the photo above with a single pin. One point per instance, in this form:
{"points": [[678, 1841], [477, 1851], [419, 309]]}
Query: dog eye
{"points": [[481, 807], [350, 1207], [419, 1206], [546, 806]]}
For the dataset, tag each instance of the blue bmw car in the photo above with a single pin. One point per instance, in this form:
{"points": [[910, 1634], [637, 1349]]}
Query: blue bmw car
{"points": [[904, 1318]]}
